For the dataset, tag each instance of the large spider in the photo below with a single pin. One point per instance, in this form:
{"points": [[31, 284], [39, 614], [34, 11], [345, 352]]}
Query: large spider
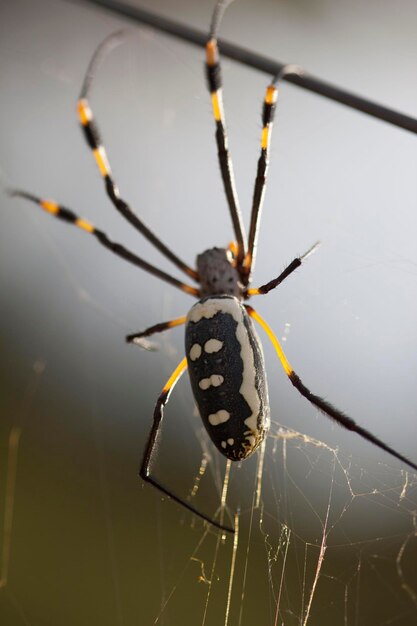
{"points": [[223, 353]]}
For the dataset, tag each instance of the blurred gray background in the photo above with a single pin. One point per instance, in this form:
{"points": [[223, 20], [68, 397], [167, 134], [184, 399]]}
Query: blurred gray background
{"points": [[90, 544]]}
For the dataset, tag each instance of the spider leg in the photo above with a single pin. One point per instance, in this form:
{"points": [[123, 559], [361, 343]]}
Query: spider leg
{"points": [[324, 406], [145, 470], [264, 289], [139, 338], [213, 74], [70, 217], [92, 136], [268, 113]]}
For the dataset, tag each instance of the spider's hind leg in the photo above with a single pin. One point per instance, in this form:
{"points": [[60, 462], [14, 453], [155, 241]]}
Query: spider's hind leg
{"points": [[325, 407], [146, 466]]}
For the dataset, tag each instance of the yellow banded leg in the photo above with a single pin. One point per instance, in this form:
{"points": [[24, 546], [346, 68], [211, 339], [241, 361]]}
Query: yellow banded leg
{"points": [[213, 74], [268, 113], [158, 417], [92, 136], [324, 406], [146, 466], [70, 217]]}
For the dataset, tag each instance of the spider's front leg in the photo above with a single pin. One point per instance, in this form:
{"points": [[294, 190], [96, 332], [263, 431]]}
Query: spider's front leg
{"points": [[67, 215], [93, 138]]}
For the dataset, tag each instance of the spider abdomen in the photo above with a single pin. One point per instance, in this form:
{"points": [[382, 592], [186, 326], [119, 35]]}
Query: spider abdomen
{"points": [[227, 374]]}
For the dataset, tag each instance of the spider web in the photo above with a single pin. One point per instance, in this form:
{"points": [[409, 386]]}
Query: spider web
{"points": [[326, 523], [319, 536]]}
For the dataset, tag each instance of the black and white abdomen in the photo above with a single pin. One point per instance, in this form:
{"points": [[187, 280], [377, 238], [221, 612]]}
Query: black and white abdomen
{"points": [[227, 374]]}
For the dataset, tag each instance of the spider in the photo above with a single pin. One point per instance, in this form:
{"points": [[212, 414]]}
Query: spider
{"points": [[223, 352]]}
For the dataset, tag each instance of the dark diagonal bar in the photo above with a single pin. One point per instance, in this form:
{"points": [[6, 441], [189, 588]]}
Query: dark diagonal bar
{"points": [[261, 63]]}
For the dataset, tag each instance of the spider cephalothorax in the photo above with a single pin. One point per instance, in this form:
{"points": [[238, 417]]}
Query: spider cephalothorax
{"points": [[218, 274]]}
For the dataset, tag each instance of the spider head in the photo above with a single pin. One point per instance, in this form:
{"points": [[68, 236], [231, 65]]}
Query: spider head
{"points": [[218, 274]]}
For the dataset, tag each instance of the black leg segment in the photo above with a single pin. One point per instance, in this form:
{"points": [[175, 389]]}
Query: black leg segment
{"points": [[93, 139], [324, 406], [295, 264], [146, 467], [213, 74], [70, 217], [152, 330]]}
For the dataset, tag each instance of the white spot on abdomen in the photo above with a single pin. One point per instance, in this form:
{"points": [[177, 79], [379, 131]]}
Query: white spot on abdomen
{"points": [[213, 345], [195, 352], [218, 418], [215, 380]]}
